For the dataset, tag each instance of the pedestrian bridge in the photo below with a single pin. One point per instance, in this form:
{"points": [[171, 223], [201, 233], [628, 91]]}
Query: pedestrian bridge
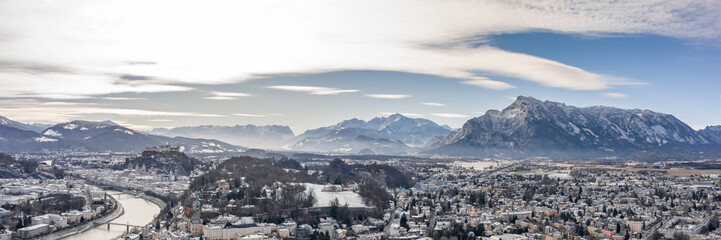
{"points": [[127, 226]]}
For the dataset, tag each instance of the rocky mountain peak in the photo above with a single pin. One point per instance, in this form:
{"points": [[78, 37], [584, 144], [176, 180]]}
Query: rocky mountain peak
{"points": [[530, 125]]}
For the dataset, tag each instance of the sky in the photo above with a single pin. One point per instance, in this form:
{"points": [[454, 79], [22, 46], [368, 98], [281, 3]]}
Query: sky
{"points": [[309, 64]]}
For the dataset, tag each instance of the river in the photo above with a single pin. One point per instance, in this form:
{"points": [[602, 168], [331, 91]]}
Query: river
{"points": [[138, 212]]}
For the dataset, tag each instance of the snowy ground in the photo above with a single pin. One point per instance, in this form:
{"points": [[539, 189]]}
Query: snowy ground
{"points": [[324, 198]]}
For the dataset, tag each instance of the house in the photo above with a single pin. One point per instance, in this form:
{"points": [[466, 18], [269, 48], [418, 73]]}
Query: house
{"points": [[235, 229], [283, 232], [73, 216], [33, 231], [50, 219]]}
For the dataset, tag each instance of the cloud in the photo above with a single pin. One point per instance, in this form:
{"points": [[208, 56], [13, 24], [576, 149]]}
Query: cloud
{"points": [[227, 95], [87, 45], [259, 115], [434, 104], [141, 63], [74, 85], [133, 126], [450, 115], [32, 110], [66, 104], [487, 83], [412, 115], [248, 115], [32, 67], [388, 96], [313, 90], [614, 95], [122, 98], [134, 77], [139, 112], [159, 120]]}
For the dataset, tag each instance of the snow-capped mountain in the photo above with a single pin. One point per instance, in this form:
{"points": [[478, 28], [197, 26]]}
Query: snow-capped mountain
{"points": [[530, 127], [14, 140], [96, 137], [271, 136], [109, 136], [393, 134], [99, 136], [35, 127], [711, 133], [20, 137], [359, 144]]}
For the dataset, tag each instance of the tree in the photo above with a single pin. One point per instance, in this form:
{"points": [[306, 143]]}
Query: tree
{"points": [[680, 236], [528, 194], [404, 222], [704, 229], [374, 194], [344, 216], [334, 204], [655, 235], [714, 223], [581, 231], [310, 200]]}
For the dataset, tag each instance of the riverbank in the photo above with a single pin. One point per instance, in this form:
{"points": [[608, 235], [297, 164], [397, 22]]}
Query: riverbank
{"points": [[152, 199], [129, 216], [119, 211], [138, 211]]}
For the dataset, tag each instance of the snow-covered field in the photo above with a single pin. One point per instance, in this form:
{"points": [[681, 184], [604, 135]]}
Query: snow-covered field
{"points": [[324, 198]]}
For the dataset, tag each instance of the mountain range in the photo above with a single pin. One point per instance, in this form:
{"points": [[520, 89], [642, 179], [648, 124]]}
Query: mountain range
{"points": [[268, 137], [527, 128], [393, 134], [35, 127], [530, 127], [711, 133], [103, 136]]}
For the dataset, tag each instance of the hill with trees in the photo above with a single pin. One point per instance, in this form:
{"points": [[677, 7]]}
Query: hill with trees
{"points": [[164, 158]]}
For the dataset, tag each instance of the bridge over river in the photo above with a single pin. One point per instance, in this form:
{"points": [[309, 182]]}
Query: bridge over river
{"points": [[137, 213]]}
